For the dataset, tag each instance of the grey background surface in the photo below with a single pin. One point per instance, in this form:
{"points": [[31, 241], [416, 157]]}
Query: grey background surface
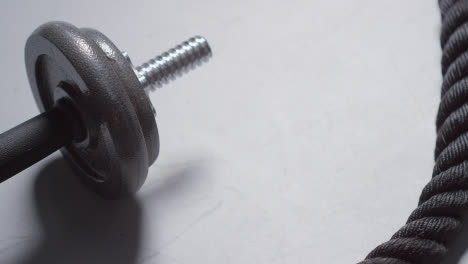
{"points": [[306, 139]]}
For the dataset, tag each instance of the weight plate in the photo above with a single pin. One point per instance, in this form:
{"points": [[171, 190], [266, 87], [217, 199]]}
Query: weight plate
{"points": [[83, 68]]}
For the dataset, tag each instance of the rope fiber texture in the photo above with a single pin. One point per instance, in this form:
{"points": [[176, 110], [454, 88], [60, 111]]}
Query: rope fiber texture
{"points": [[444, 200]]}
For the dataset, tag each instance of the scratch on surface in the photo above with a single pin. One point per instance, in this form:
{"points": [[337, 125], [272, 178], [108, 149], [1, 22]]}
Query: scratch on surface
{"points": [[246, 198], [18, 241], [21, 238], [187, 228]]}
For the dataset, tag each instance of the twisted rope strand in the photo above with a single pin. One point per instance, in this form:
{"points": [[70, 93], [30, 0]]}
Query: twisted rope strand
{"points": [[423, 240]]}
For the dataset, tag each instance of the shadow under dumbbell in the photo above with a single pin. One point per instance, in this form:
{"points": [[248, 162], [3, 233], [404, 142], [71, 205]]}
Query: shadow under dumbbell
{"points": [[79, 226]]}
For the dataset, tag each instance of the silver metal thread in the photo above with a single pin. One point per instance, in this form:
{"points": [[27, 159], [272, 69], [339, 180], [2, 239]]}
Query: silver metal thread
{"points": [[174, 62]]}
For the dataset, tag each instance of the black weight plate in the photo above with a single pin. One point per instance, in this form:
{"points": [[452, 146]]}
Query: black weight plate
{"points": [[83, 68]]}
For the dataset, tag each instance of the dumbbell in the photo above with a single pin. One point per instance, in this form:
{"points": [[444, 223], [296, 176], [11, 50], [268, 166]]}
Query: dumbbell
{"points": [[95, 107]]}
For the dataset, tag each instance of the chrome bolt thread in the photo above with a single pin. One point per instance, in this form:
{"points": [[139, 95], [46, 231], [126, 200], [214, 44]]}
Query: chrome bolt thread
{"points": [[174, 62]]}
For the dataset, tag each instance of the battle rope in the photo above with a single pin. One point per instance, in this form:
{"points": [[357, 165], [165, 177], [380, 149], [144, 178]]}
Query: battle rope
{"points": [[444, 200]]}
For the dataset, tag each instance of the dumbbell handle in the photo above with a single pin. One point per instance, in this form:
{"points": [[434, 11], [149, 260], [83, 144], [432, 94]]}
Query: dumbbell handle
{"points": [[33, 140]]}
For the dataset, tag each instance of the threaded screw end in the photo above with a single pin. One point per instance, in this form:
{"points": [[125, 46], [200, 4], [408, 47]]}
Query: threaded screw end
{"points": [[174, 62]]}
